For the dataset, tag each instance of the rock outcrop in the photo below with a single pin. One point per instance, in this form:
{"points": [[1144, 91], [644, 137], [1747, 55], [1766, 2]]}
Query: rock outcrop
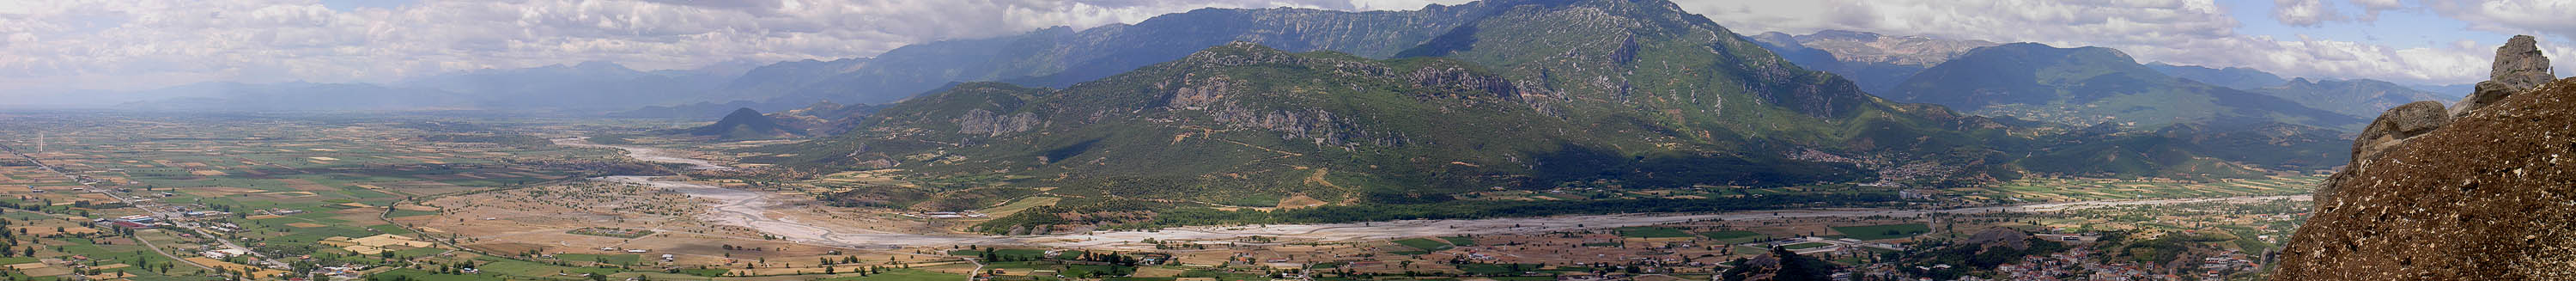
{"points": [[2483, 196], [2519, 66], [982, 122], [2395, 126]]}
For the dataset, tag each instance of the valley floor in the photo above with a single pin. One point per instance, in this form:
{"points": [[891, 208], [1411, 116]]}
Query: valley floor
{"points": [[752, 209]]}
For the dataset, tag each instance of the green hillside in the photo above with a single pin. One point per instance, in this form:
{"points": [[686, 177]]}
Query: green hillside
{"points": [[2093, 85], [1246, 120], [746, 124], [1533, 95], [2190, 151], [1524, 95]]}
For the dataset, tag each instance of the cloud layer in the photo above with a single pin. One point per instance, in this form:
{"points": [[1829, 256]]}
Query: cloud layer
{"points": [[126, 44], [2191, 32]]}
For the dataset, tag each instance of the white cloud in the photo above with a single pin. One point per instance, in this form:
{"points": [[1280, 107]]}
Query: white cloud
{"points": [[2303, 12], [2370, 8], [2547, 19], [2193, 32], [130, 44], [2550, 17]]}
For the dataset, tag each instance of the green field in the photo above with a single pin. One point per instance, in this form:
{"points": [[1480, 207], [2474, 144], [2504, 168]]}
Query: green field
{"points": [[619, 259], [1022, 204], [1496, 269], [494, 265], [1651, 232], [1888, 231], [903, 275], [408, 213], [1735, 236], [416, 274], [1427, 245], [1024, 254]]}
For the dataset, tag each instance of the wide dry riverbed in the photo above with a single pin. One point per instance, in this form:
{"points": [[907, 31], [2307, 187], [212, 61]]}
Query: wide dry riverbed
{"points": [[750, 209]]}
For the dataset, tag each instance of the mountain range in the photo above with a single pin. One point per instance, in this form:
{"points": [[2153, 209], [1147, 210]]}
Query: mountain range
{"points": [[1058, 57], [2356, 97], [1526, 94], [1881, 62], [1566, 81], [2232, 77], [2089, 85]]}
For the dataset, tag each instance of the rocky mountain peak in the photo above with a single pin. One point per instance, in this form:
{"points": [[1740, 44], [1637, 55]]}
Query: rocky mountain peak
{"points": [[1867, 47]]}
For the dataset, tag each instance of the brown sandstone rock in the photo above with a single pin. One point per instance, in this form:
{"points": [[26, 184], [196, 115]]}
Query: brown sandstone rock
{"points": [[2489, 196], [2395, 125], [2519, 66]]}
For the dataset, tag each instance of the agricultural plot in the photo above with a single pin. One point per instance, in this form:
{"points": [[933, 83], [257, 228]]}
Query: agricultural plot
{"points": [[1019, 254], [1807, 245], [318, 190], [1424, 244], [902, 275], [611, 232], [2076, 189], [1888, 231], [1735, 236], [1651, 232], [1459, 240], [1015, 206]]}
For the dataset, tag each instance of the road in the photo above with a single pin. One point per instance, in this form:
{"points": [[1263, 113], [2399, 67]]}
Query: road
{"points": [[166, 216], [979, 269]]}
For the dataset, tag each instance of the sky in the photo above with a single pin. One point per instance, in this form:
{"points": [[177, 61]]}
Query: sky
{"points": [[58, 45]]}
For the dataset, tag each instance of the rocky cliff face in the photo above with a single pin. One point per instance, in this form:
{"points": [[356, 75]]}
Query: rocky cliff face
{"points": [[1874, 62], [2489, 194], [982, 122], [1900, 50], [2518, 67]]}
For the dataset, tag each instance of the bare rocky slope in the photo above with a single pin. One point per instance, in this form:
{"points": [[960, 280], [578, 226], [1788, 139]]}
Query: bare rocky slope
{"points": [[2488, 193], [1875, 62]]}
